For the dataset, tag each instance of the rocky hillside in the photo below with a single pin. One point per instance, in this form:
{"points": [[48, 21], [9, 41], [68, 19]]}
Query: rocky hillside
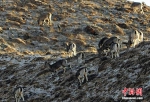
{"points": [[25, 46]]}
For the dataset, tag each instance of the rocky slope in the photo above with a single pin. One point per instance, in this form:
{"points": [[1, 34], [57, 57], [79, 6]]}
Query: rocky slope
{"points": [[25, 46]]}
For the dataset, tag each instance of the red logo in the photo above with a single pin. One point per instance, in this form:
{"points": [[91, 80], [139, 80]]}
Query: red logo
{"points": [[132, 91]]}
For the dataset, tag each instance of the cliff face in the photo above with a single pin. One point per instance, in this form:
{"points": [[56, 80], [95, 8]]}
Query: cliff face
{"points": [[25, 46]]}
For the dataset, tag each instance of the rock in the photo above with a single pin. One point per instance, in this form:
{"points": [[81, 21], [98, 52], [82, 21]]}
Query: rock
{"points": [[90, 30], [123, 25]]}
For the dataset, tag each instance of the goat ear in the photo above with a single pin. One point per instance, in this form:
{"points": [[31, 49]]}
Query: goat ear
{"points": [[135, 32], [65, 43], [45, 63], [83, 55], [73, 45], [143, 3], [140, 33]]}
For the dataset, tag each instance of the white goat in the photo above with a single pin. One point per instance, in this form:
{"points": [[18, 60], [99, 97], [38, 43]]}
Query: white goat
{"points": [[82, 75], [137, 6], [114, 50], [71, 49], [134, 39], [19, 94], [140, 36], [45, 19]]}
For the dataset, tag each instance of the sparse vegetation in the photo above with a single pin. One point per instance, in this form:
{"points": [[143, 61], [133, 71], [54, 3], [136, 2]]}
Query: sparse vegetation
{"points": [[118, 30], [83, 22]]}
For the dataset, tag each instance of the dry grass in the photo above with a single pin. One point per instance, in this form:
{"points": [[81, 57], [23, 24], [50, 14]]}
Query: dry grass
{"points": [[23, 9], [13, 23], [97, 20], [109, 35], [111, 2], [27, 52], [12, 44], [41, 39], [91, 49], [1, 29], [119, 30], [148, 29], [64, 55], [2, 40], [19, 41], [89, 5], [81, 37], [129, 21], [70, 36], [55, 53], [39, 52], [80, 42], [10, 49], [37, 2], [97, 28], [54, 39], [15, 18], [32, 6], [123, 25], [17, 7], [145, 22], [106, 19], [91, 10]]}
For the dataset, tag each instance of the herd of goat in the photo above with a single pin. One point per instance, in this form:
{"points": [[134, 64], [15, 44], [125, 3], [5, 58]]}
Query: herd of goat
{"points": [[106, 46], [113, 45]]}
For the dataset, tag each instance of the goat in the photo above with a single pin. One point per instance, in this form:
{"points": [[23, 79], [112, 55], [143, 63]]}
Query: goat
{"points": [[106, 45], [18, 93], [57, 65], [45, 19], [82, 75], [137, 6], [114, 50], [134, 39], [101, 42], [80, 57], [71, 49]]}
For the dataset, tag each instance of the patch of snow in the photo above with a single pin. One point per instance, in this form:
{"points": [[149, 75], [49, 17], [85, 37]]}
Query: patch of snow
{"points": [[125, 60], [2, 68]]}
